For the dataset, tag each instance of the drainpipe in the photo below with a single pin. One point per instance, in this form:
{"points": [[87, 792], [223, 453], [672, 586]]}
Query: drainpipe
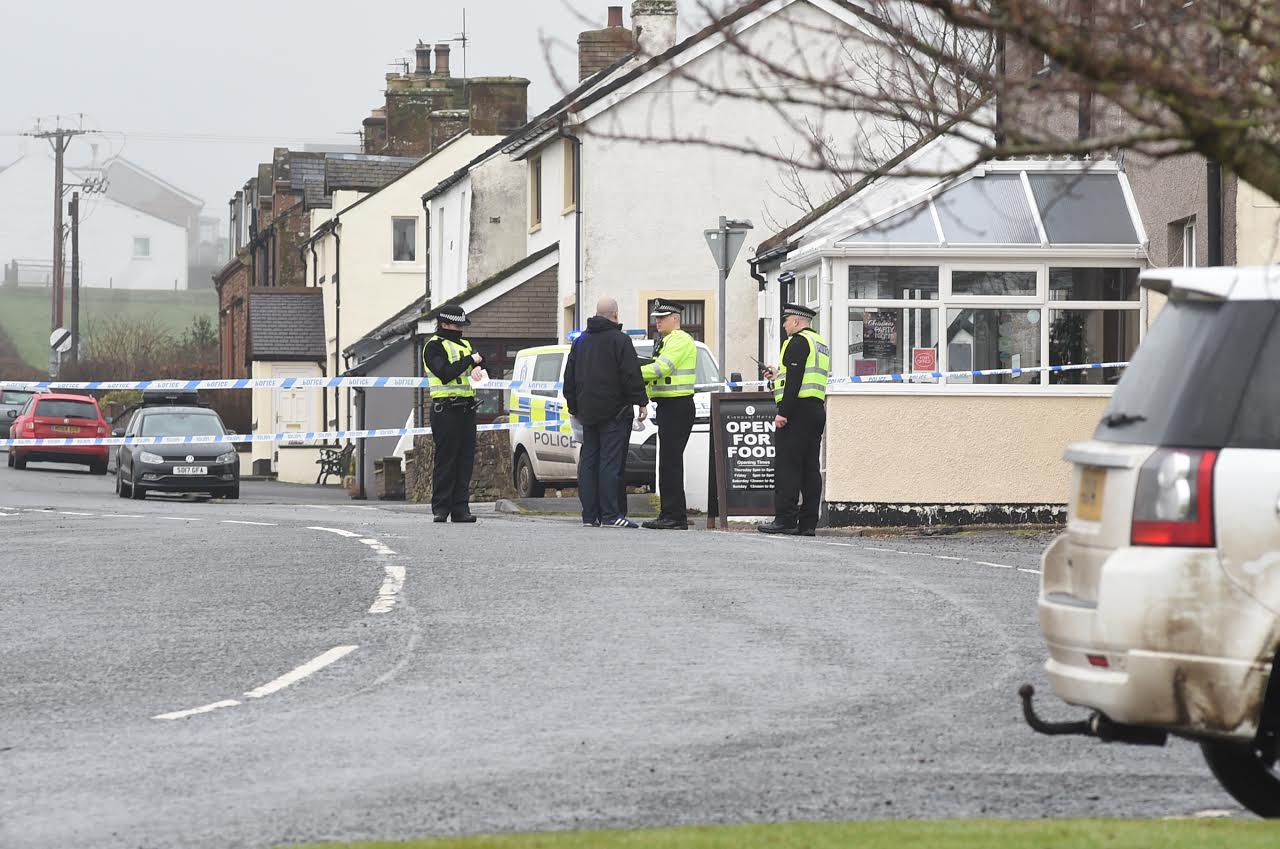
{"points": [[337, 310], [762, 282], [577, 215], [324, 367], [1213, 178]]}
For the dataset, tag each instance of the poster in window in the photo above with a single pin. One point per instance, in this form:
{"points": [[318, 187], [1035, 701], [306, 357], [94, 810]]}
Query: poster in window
{"points": [[880, 335]]}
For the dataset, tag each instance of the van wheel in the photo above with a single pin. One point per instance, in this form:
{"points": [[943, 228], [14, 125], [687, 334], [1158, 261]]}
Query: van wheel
{"points": [[1250, 772], [527, 485]]}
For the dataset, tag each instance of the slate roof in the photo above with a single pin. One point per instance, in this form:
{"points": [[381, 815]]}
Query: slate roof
{"points": [[286, 324], [362, 173]]}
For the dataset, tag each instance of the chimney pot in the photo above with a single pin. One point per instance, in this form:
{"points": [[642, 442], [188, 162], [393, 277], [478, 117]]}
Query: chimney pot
{"points": [[615, 16], [442, 60], [423, 53]]}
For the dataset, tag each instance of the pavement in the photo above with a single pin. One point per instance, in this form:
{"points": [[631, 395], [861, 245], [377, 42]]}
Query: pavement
{"points": [[297, 667]]}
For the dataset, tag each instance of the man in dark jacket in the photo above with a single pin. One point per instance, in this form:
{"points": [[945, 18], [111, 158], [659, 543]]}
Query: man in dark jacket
{"points": [[602, 386]]}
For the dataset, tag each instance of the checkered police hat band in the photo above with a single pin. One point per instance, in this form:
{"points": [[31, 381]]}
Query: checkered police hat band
{"points": [[451, 317]]}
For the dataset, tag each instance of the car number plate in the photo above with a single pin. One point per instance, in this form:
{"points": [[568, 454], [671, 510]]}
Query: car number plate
{"points": [[1089, 500], [65, 429], [191, 470]]}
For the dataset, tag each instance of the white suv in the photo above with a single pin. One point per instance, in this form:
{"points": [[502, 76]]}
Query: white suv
{"points": [[1160, 604], [542, 457]]}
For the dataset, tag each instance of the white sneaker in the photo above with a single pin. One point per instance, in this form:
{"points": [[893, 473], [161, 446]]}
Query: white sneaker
{"points": [[621, 522]]}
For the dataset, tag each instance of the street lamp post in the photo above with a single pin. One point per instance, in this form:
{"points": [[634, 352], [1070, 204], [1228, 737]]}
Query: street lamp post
{"points": [[725, 242]]}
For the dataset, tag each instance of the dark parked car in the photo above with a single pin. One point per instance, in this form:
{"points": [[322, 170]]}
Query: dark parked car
{"points": [[11, 403], [210, 467]]}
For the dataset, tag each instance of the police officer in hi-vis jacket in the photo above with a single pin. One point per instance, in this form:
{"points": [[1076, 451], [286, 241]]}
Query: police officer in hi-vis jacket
{"points": [[450, 366], [800, 388], [670, 380]]}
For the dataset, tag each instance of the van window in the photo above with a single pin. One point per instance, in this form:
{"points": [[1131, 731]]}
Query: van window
{"points": [[1191, 376], [546, 369]]}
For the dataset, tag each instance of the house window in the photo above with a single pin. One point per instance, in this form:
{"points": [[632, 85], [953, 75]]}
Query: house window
{"points": [[570, 174], [995, 317], [142, 247], [693, 321], [535, 193], [810, 296], [404, 239]]}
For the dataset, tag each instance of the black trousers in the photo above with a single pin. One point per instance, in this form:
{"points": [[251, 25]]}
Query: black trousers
{"points": [[797, 466], [675, 423], [600, 462], [453, 430]]}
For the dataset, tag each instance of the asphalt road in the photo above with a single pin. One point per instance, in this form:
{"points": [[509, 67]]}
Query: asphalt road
{"points": [[365, 674]]}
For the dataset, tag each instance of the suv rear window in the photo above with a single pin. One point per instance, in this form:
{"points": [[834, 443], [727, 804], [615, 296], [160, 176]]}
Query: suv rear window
{"points": [[56, 409], [1205, 377]]}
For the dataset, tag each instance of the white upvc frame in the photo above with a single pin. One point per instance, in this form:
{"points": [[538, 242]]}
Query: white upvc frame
{"points": [[841, 304]]}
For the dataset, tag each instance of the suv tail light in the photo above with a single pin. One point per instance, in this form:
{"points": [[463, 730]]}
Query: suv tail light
{"points": [[1174, 504]]}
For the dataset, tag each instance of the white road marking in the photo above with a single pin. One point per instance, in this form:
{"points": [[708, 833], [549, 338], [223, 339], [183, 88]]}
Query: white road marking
{"points": [[258, 524], [183, 714], [123, 516], [38, 510], [69, 513], [1030, 571], [178, 519], [842, 544], [337, 531], [391, 586], [887, 550], [993, 565], [308, 668], [945, 557]]}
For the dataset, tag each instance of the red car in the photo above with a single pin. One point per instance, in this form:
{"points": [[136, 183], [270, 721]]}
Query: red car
{"points": [[60, 417]]}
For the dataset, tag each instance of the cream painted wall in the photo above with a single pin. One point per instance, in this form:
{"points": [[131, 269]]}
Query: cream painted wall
{"points": [[1258, 220], [374, 287], [954, 449], [646, 204]]}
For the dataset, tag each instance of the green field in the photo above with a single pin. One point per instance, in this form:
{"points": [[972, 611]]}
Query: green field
{"points": [[25, 314], [936, 834]]}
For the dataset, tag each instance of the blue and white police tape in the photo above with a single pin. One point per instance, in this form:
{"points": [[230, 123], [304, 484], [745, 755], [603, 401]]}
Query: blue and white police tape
{"points": [[285, 383], [296, 437]]}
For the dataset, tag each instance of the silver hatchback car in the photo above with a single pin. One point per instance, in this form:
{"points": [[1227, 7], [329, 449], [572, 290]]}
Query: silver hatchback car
{"points": [[1160, 605]]}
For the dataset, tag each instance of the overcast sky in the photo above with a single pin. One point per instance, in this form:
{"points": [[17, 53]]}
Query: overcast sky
{"points": [[199, 93]]}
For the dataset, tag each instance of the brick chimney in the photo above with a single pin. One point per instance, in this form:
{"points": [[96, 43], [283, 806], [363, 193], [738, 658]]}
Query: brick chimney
{"points": [[442, 60], [655, 24], [598, 49], [423, 65]]}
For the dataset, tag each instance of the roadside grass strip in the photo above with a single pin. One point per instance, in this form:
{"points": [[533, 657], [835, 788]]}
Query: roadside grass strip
{"points": [[914, 834]]}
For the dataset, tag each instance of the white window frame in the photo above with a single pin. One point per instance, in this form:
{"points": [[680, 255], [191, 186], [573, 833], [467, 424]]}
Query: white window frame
{"points": [[841, 304], [1189, 257], [136, 240]]}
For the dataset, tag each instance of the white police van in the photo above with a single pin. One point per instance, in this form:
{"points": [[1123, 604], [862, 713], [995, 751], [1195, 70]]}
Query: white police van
{"points": [[544, 457]]}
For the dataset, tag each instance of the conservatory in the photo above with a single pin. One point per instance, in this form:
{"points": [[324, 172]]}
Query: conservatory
{"points": [[1013, 265]]}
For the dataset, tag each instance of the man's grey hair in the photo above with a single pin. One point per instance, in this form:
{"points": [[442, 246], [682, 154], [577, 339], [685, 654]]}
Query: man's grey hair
{"points": [[607, 307]]}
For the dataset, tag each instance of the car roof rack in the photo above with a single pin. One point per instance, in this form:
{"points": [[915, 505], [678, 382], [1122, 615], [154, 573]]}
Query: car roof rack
{"points": [[170, 398]]}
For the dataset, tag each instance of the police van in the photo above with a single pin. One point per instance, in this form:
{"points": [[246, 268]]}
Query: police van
{"points": [[548, 456]]}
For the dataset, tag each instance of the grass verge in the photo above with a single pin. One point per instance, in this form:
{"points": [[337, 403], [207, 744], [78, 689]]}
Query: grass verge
{"points": [[24, 314], [915, 834]]}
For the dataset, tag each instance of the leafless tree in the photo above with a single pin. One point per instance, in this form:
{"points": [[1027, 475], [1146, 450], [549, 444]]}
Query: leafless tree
{"points": [[1020, 78]]}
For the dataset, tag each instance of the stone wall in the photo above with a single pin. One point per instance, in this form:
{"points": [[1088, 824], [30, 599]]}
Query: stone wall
{"points": [[490, 481]]}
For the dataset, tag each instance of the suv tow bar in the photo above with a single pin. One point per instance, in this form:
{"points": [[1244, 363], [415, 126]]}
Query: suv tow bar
{"points": [[1097, 726]]}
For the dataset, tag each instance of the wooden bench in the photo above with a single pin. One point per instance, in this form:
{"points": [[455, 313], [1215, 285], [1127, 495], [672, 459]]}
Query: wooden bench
{"points": [[334, 461]]}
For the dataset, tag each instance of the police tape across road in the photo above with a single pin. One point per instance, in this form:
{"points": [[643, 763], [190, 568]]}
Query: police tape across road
{"points": [[295, 437], [286, 383]]}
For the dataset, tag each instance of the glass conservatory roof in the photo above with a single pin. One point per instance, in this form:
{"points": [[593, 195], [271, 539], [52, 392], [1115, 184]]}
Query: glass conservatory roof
{"points": [[1009, 207]]}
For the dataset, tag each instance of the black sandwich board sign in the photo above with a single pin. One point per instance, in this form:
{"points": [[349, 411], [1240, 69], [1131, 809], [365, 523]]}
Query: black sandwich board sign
{"points": [[742, 444]]}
